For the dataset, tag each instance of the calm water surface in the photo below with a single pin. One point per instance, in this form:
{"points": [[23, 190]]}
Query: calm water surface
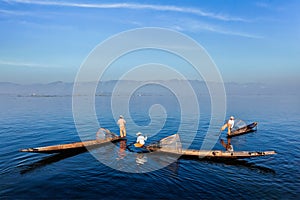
{"points": [[40, 121]]}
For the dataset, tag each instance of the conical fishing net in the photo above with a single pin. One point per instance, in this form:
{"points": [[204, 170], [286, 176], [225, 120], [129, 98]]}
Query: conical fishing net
{"points": [[103, 133], [171, 143], [238, 124]]}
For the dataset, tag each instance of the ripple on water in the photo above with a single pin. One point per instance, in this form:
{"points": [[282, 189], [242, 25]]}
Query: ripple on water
{"points": [[37, 122]]}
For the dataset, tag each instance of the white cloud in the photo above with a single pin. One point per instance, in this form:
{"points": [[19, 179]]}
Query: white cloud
{"points": [[262, 4], [267, 6], [235, 33], [185, 24], [10, 12], [134, 6], [192, 25], [24, 64]]}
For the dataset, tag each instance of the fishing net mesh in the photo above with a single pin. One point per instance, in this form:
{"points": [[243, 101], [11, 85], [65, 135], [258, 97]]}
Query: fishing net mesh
{"points": [[171, 143], [239, 124], [103, 133]]}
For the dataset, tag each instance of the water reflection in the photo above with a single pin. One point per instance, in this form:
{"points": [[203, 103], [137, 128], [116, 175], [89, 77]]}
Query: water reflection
{"points": [[141, 158], [236, 163], [122, 150], [228, 146], [173, 168]]}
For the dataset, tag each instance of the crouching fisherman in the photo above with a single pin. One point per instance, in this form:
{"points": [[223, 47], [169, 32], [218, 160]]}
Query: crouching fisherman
{"points": [[140, 140]]}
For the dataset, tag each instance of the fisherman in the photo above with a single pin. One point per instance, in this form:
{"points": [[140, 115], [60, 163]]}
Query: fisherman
{"points": [[229, 125], [122, 125], [140, 141]]}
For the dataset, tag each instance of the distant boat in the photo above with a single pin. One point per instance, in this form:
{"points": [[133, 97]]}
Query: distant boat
{"points": [[243, 130], [76, 146], [172, 145]]}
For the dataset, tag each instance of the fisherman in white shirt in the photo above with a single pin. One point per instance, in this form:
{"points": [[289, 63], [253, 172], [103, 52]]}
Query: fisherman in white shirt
{"points": [[140, 141], [229, 125], [231, 122]]}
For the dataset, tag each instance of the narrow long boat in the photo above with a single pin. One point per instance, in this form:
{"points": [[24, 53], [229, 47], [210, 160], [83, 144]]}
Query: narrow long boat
{"points": [[76, 146], [243, 130], [214, 154]]}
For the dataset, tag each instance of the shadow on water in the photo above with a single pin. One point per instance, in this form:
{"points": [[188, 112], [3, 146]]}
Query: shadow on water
{"points": [[51, 159], [174, 167], [235, 162]]}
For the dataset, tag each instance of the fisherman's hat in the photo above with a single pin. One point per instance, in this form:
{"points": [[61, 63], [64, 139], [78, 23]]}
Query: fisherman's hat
{"points": [[121, 116], [231, 117], [139, 133]]}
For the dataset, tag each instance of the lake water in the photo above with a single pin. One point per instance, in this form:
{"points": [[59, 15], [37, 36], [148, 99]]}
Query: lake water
{"points": [[41, 121]]}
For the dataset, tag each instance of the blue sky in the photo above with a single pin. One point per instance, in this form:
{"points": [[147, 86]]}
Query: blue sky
{"points": [[250, 41]]}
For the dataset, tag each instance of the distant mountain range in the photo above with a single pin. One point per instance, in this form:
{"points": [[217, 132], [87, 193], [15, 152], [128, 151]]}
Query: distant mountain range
{"points": [[60, 88]]}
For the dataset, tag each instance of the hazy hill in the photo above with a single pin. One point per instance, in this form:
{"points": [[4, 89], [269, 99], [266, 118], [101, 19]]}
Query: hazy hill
{"points": [[105, 88]]}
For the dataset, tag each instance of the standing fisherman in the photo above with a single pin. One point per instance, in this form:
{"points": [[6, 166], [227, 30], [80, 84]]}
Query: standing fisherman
{"points": [[122, 125], [229, 125]]}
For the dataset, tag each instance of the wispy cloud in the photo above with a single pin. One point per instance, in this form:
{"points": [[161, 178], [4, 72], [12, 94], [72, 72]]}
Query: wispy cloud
{"points": [[236, 33], [219, 30], [269, 6], [24, 64], [16, 13], [192, 25], [134, 6], [185, 24], [262, 4]]}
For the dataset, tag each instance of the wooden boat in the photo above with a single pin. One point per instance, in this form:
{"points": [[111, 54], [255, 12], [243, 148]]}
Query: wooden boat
{"points": [[72, 146], [217, 153], [243, 130], [214, 154], [77, 146]]}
